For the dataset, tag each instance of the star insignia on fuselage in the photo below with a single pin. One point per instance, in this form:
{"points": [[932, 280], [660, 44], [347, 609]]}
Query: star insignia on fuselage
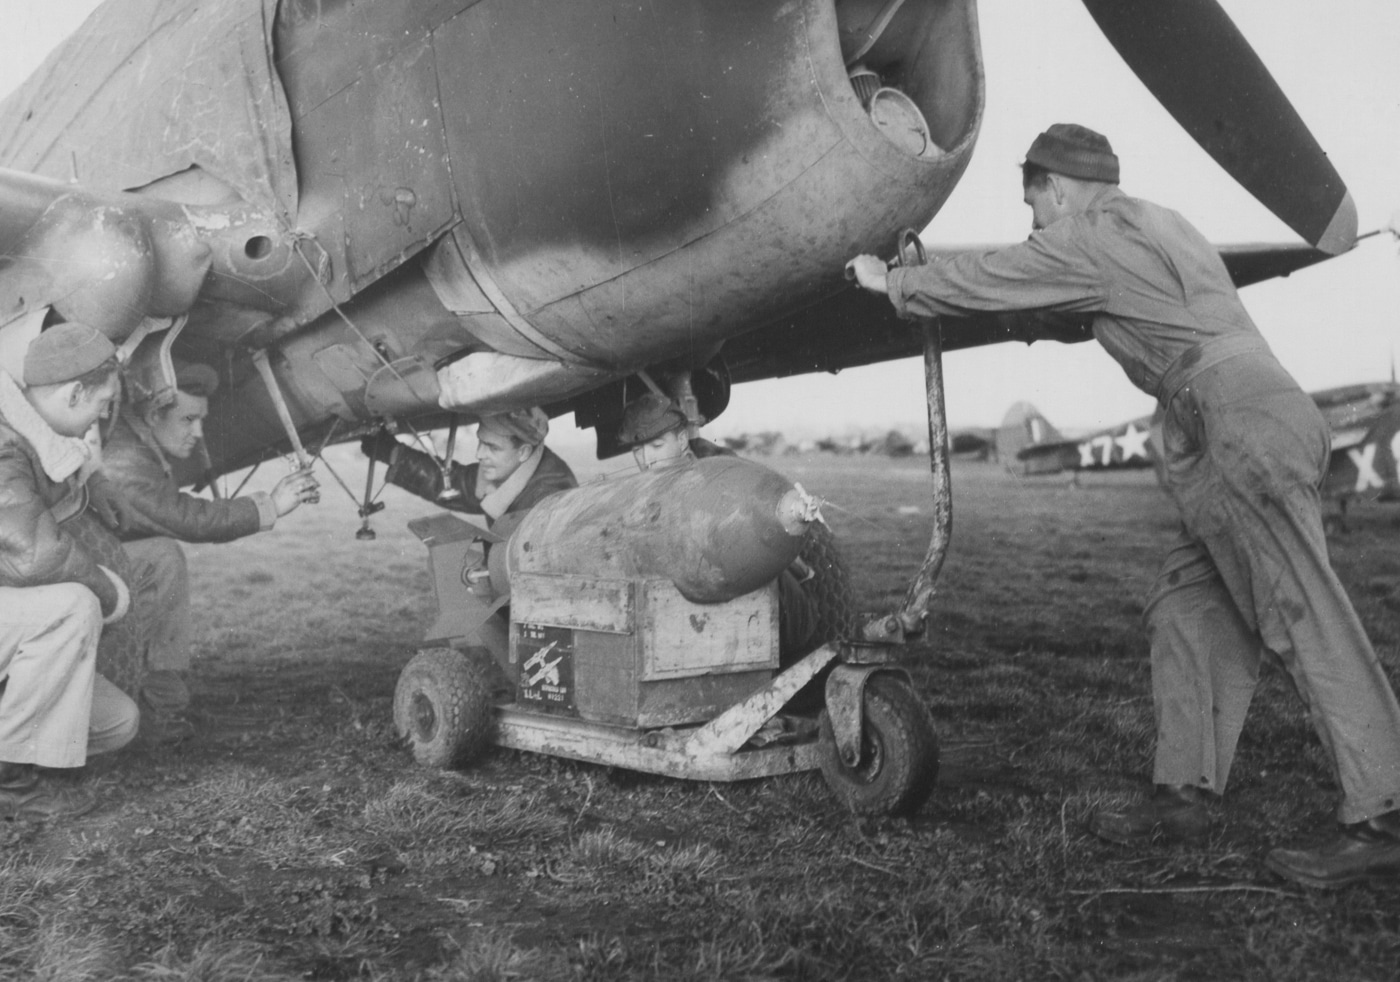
{"points": [[1133, 443]]}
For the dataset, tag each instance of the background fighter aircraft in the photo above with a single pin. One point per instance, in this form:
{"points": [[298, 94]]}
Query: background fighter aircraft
{"points": [[1028, 444], [434, 209], [1365, 422]]}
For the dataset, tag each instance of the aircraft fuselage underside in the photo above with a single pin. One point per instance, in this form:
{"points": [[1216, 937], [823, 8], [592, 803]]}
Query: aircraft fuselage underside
{"points": [[552, 195]]}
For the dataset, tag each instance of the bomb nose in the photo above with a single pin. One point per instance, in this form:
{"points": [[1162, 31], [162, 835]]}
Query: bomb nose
{"points": [[797, 509]]}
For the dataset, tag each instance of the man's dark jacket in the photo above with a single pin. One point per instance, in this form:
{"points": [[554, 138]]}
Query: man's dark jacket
{"points": [[419, 473], [34, 548], [142, 500]]}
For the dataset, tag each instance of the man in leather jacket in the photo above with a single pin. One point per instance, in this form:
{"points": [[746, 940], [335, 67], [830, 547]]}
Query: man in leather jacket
{"points": [[54, 596], [513, 472], [144, 506]]}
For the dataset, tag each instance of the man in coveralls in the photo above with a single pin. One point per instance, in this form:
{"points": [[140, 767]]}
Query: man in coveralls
{"points": [[1245, 451], [144, 506]]}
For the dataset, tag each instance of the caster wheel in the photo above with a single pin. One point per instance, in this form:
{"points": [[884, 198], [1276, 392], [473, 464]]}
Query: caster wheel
{"points": [[898, 753], [443, 707]]}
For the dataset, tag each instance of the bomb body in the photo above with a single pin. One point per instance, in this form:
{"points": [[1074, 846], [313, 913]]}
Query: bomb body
{"points": [[717, 528]]}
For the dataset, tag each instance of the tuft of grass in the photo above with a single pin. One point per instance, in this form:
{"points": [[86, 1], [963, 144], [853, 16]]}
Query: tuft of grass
{"points": [[60, 949], [210, 961], [493, 956], [417, 808], [43, 937], [604, 848]]}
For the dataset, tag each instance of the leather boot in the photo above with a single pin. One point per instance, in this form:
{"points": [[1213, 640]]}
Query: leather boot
{"points": [[162, 729], [1176, 813], [165, 690], [163, 699], [17, 777], [1368, 850], [45, 798]]}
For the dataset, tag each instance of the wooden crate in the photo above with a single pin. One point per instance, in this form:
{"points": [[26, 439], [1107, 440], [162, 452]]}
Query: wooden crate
{"points": [[635, 652]]}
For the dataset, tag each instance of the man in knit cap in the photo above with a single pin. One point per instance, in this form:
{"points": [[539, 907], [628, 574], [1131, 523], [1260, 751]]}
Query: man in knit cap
{"points": [[1245, 451], [54, 597], [144, 506]]}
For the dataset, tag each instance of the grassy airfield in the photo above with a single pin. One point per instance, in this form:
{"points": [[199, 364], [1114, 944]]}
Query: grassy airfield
{"points": [[294, 839]]}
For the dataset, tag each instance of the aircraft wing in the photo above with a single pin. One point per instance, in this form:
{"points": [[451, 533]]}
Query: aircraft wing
{"points": [[1266, 260], [856, 328], [1047, 458], [1345, 439]]}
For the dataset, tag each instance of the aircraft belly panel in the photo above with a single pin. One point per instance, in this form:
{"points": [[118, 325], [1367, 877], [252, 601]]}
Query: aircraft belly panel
{"points": [[589, 138], [372, 159], [696, 191], [751, 269], [323, 46]]}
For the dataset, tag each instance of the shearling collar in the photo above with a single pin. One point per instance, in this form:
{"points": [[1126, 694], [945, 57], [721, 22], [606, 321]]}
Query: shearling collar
{"points": [[497, 499], [60, 456]]}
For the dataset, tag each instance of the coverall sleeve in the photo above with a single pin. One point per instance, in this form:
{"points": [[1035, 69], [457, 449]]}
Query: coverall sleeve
{"points": [[1053, 270], [34, 549]]}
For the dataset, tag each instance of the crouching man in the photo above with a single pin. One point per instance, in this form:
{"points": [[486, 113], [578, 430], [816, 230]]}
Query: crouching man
{"points": [[513, 473], [144, 506], [54, 598]]}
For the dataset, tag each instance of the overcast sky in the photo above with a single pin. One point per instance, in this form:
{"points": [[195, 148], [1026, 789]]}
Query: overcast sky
{"points": [[1337, 60]]}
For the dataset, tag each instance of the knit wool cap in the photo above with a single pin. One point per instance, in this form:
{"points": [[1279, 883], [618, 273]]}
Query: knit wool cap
{"points": [[1075, 151], [647, 417], [65, 352], [525, 425], [196, 379]]}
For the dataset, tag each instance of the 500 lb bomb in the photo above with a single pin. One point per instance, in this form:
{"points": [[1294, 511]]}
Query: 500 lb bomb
{"points": [[718, 528]]}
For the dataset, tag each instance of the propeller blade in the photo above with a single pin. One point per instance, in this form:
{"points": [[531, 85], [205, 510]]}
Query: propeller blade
{"points": [[1191, 56]]}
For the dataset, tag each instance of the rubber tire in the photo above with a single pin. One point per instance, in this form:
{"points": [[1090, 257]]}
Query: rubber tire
{"points": [[898, 756], [443, 707]]}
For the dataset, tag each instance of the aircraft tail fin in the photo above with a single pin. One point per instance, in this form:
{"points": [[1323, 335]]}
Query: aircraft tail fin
{"points": [[1022, 432]]}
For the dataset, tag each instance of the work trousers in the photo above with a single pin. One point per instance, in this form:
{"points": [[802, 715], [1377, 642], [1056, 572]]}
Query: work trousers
{"points": [[55, 709], [1245, 450], [160, 590]]}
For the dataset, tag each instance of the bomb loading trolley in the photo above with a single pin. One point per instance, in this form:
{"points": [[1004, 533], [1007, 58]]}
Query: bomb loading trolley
{"points": [[643, 634]]}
